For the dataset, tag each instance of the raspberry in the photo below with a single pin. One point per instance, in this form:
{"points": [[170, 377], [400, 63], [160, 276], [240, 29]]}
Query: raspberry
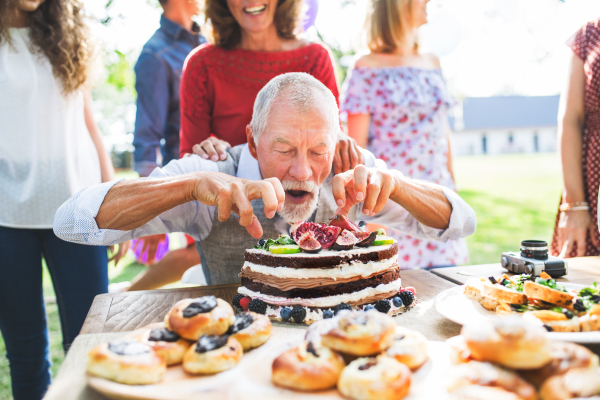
{"points": [[340, 307], [258, 306], [244, 303], [407, 297], [410, 289], [236, 300], [383, 306], [298, 314]]}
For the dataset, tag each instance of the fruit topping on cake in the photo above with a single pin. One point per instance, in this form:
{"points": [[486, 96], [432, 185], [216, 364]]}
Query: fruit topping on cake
{"points": [[309, 243], [365, 239], [382, 240], [343, 222], [324, 234], [345, 241]]}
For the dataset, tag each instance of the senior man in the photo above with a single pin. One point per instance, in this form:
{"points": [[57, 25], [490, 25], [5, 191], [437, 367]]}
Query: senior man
{"points": [[283, 175]]}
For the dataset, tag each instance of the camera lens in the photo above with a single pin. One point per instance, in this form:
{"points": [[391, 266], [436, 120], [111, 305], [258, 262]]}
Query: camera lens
{"points": [[537, 249]]}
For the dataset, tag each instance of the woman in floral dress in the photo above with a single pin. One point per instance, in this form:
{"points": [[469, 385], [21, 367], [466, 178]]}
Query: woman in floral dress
{"points": [[576, 231], [396, 102]]}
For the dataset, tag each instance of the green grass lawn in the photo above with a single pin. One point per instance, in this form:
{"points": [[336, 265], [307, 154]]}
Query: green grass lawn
{"points": [[515, 197]]}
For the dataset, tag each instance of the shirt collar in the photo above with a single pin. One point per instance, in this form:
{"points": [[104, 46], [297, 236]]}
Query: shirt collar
{"points": [[248, 166], [177, 31]]}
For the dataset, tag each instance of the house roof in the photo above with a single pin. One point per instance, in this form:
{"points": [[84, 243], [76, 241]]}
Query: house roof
{"points": [[501, 112]]}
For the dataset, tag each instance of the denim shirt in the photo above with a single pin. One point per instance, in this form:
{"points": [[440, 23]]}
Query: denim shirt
{"points": [[158, 73]]}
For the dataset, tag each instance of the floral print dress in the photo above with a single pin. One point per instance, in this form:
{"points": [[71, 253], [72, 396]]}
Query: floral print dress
{"points": [[408, 109]]}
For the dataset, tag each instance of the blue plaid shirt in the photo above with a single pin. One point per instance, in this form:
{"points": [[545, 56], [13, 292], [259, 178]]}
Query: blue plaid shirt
{"points": [[158, 72]]}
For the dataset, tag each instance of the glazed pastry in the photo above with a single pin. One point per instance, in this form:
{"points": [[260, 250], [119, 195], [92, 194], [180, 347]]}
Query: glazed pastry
{"points": [[166, 344], [307, 367], [409, 347], [375, 378], [360, 333], [512, 341], [565, 356], [212, 354], [477, 392], [250, 329], [128, 362], [459, 352], [192, 318], [575, 384], [486, 374]]}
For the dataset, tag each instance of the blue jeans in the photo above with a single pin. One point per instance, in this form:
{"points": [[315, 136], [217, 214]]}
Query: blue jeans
{"points": [[78, 273]]}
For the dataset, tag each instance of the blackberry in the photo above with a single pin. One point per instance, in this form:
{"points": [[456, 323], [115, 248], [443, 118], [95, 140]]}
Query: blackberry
{"points": [[369, 307], [397, 301], [383, 306], [595, 298], [286, 313], [340, 307], [407, 297], [327, 314], [258, 306], [236, 300], [298, 314]]}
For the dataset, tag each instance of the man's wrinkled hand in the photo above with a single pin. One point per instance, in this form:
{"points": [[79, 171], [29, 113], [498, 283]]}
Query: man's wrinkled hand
{"points": [[347, 154], [371, 186], [230, 193]]}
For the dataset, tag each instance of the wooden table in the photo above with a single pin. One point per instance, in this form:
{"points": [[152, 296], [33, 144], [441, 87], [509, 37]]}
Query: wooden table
{"points": [[582, 270], [112, 315]]}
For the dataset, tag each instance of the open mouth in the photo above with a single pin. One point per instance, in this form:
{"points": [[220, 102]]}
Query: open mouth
{"points": [[297, 195], [255, 10]]}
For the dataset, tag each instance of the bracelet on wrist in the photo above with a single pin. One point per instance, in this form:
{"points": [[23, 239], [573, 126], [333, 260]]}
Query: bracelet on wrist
{"points": [[577, 206]]}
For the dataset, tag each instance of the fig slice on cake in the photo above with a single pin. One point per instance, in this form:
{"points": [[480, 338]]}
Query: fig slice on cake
{"points": [[309, 243], [324, 234], [343, 222], [365, 239], [345, 241]]}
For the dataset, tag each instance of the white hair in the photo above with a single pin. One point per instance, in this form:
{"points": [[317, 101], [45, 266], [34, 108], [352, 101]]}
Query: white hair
{"points": [[302, 91]]}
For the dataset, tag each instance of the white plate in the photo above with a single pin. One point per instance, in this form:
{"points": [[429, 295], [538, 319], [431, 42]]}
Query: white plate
{"points": [[455, 306]]}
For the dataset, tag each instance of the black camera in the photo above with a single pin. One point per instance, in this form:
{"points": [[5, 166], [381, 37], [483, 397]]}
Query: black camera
{"points": [[534, 260]]}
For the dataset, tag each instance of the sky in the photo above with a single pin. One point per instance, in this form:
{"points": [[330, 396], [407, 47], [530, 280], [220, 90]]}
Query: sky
{"points": [[486, 47]]}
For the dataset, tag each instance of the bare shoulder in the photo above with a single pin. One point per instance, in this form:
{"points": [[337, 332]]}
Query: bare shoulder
{"points": [[368, 60], [432, 60]]}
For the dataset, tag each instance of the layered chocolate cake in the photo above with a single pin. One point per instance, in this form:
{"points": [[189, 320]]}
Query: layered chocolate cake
{"points": [[320, 270]]}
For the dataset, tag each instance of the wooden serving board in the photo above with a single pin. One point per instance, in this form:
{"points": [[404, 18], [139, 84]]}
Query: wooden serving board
{"points": [[251, 378]]}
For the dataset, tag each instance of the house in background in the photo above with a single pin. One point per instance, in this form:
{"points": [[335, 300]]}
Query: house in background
{"points": [[505, 124]]}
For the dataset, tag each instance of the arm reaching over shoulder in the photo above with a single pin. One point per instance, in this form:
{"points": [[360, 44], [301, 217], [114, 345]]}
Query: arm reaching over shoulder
{"points": [[373, 187]]}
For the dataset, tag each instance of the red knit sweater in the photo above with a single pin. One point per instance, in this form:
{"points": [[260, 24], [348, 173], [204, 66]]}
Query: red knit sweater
{"points": [[218, 87]]}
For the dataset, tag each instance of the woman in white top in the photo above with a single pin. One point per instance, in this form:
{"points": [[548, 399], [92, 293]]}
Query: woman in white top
{"points": [[50, 148], [396, 100]]}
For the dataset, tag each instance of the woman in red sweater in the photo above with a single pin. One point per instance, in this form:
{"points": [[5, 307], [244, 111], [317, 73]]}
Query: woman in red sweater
{"points": [[253, 43]]}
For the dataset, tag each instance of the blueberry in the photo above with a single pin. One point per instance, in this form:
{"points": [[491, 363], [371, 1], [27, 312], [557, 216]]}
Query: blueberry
{"points": [[369, 307], [262, 242], [286, 313], [327, 314], [567, 313], [397, 302]]}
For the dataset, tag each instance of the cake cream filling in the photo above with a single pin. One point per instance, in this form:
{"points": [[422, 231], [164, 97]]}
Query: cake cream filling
{"points": [[327, 301], [345, 270]]}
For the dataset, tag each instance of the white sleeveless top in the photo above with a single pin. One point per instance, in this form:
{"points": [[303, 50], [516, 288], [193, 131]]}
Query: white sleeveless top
{"points": [[46, 152]]}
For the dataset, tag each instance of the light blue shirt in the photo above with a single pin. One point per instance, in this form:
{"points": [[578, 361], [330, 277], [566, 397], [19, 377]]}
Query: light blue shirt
{"points": [[75, 219]]}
